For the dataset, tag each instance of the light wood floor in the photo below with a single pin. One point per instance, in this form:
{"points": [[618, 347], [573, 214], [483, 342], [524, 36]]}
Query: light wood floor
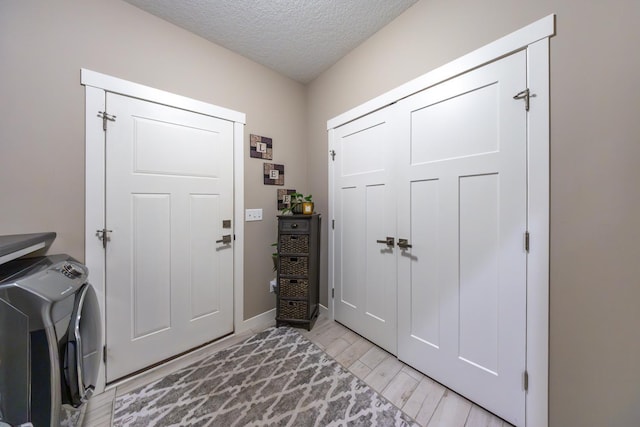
{"points": [[428, 402]]}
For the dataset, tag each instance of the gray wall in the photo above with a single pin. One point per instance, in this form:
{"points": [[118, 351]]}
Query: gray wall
{"points": [[595, 174], [43, 45]]}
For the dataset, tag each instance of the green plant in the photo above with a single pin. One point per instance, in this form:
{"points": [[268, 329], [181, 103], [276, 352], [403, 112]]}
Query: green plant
{"points": [[297, 199]]}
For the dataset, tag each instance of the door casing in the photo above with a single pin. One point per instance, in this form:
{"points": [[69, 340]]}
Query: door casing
{"points": [[96, 86], [534, 39]]}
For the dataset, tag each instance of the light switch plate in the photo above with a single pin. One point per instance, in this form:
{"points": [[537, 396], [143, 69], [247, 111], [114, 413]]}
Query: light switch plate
{"points": [[253, 215]]}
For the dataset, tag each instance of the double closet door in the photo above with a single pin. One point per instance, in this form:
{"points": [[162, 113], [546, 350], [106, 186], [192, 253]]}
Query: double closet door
{"points": [[430, 208]]}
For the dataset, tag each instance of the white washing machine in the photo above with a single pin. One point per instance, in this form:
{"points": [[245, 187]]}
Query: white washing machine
{"points": [[65, 344]]}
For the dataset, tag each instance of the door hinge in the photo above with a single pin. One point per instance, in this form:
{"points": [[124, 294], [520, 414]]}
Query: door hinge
{"points": [[527, 239], [104, 354], [333, 154], [526, 95], [333, 224], [333, 292], [525, 380], [104, 116]]}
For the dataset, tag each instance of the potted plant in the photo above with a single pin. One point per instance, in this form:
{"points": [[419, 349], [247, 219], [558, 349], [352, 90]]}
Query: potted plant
{"points": [[300, 204]]}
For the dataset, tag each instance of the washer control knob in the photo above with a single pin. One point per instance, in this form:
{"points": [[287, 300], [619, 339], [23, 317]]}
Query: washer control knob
{"points": [[70, 271]]}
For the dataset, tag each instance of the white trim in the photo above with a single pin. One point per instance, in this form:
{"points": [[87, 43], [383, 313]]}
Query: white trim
{"points": [[535, 39], [94, 207], [538, 224], [510, 43], [96, 87], [268, 318], [262, 320], [323, 310], [123, 87], [238, 218], [330, 230]]}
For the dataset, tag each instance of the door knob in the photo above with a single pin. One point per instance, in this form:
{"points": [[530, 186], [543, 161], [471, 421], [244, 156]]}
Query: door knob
{"points": [[226, 239], [404, 244], [390, 241]]}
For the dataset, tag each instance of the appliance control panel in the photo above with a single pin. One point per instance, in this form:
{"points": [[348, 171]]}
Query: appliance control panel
{"points": [[70, 270]]}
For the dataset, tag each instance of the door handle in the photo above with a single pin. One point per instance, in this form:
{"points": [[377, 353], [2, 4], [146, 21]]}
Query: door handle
{"points": [[226, 239], [390, 241], [404, 244]]}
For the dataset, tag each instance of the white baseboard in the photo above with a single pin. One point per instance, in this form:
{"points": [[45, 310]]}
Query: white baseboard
{"points": [[268, 318]]}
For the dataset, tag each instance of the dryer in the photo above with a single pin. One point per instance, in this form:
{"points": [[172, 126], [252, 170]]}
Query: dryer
{"points": [[65, 344]]}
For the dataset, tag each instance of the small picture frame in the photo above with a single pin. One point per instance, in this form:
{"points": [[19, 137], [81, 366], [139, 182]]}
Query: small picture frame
{"points": [[260, 147], [273, 174], [284, 198]]}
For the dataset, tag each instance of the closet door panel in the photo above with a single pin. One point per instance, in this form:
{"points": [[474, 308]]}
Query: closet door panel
{"points": [[365, 269], [462, 203]]}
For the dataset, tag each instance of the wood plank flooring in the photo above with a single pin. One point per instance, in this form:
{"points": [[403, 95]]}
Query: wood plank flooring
{"points": [[428, 402]]}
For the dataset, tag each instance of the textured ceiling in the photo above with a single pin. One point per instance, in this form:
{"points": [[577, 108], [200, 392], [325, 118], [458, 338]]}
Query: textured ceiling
{"points": [[298, 38]]}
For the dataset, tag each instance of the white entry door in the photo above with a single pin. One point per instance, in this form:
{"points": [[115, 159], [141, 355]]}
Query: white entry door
{"points": [[169, 277], [463, 209], [365, 204]]}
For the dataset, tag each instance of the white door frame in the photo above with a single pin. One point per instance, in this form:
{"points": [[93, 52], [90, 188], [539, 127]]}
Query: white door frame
{"points": [[534, 39], [96, 85]]}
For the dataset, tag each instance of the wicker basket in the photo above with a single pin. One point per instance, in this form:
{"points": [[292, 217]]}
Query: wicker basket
{"points": [[295, 244], [293, 288], [292, 309], [294, 266]]}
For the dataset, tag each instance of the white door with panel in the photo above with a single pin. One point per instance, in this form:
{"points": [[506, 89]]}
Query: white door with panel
{"points": [[463, 209], [444, 173], [365, 265], [169, 274]]}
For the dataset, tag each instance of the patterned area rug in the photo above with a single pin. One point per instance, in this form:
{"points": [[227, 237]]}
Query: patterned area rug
{"points": [[275, 378]]}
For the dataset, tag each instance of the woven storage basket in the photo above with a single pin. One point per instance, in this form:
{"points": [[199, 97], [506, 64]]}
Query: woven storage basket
{"points": [[294, 288], [296, 244], [294, 266], [291, 309]]}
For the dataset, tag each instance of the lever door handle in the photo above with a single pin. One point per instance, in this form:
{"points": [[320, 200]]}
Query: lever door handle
{"points": [[404, 244], [389, 241], [226, 239]]}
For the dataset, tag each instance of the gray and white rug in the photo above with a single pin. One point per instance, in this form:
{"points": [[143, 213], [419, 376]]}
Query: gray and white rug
{"points": [[275, 378]]}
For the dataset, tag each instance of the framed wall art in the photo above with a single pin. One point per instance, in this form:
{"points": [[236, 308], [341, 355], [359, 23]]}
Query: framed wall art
{"points": [[284, 198], [260, 147], [273, 174]]}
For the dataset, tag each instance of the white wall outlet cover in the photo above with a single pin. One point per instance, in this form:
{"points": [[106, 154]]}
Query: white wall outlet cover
{"points": [[253, 215]]}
